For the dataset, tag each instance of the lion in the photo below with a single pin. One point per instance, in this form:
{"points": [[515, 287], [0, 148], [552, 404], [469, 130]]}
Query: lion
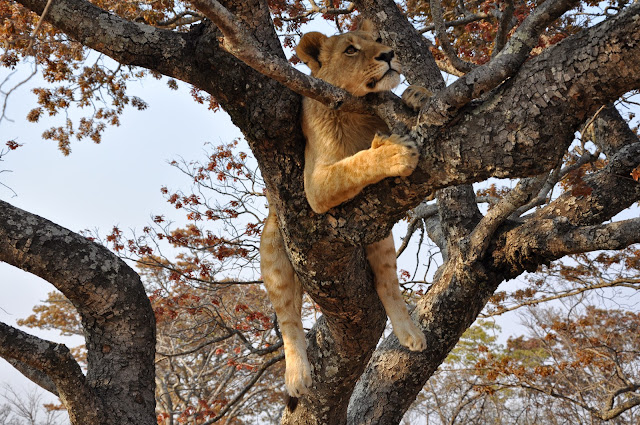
{"points": [[344, 152]]}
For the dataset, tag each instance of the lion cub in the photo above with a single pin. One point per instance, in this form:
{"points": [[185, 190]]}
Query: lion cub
{"points": [[344, 153]]}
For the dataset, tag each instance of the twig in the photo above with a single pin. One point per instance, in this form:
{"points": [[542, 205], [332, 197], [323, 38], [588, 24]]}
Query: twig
{"points": [[37, 28], [441, 33], [458, 22]]}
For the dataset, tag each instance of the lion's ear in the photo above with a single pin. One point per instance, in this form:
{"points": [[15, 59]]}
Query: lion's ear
{"points": [[308, 50], [367, 26]]}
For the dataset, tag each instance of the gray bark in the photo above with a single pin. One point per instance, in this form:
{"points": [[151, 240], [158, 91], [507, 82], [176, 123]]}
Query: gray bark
{"points": [[116, 315], [517, 128]]}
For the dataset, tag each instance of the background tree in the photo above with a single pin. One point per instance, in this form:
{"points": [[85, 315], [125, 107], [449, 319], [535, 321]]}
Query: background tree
{"points": [[27, 408], [514, 115]]}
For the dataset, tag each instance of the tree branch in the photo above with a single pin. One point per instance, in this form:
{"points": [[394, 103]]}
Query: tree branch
{"points": [[56, 361], [242, 44], [473, 17], [482, 234], [34, 375], [622, 283], [116, 315], [441, 33], [125, 41], [445, 104], [612, 236], [504, 27]]}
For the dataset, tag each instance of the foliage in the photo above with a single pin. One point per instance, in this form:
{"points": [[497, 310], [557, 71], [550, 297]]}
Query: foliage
{"points": [[575, 366]]}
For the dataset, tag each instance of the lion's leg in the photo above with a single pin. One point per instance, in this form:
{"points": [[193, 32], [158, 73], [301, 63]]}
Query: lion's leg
{"points": [[382, 258], [329, 185], [285, 293]]}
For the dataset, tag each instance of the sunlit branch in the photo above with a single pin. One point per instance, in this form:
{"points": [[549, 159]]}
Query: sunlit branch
{"points": [[325, 10], [243, 45]]}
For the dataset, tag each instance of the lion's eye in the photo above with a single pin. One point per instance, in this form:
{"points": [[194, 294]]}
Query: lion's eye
{"points": [[351, 50], [379, 40]]}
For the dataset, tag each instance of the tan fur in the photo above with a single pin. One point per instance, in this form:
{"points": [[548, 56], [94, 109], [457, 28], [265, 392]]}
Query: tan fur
{"points": [[344, 153]]}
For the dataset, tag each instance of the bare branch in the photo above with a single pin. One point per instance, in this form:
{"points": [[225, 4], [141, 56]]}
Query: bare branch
{"points": [[34, 34], [422, 212], [247, 387], [616, 283], [183, 18], [473, 17], [441, 32], [504, 28], [520, 195], [446, 103]]}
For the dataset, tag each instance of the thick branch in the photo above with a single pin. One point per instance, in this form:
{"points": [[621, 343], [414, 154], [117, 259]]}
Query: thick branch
{"points": [[56, 361], [125, 41], [610, 132], [34, 375], [444, 105], [116, 315]]}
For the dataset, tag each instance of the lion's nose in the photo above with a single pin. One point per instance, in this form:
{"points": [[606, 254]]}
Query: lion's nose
{"points": [[386, 56]]}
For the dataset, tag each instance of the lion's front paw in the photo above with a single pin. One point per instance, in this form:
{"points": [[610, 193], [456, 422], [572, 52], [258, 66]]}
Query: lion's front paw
{"points": [[297, 378], [416, 96], [398, 154], [411, 336]]}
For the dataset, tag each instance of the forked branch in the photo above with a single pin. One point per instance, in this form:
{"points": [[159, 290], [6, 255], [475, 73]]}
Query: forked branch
{"points": [[446, 103], [242, 44]]}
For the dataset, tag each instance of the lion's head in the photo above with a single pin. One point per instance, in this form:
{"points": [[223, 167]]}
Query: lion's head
{"points": [[355, 61]]}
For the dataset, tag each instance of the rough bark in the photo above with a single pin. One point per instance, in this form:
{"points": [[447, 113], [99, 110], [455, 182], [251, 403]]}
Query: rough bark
{"points": [[116, 316]]}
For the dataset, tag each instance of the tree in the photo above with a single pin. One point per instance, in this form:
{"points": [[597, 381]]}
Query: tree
{"points": [[576, 365], [26, 409], [512, 115]]}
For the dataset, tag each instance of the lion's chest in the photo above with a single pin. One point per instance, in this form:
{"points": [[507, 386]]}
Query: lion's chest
{"points": [[337, 135]]}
